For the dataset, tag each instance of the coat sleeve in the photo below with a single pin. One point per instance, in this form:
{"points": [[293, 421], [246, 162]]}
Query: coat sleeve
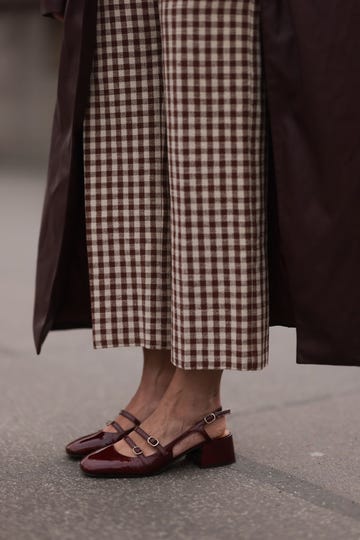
{"points": [[48, 7]]}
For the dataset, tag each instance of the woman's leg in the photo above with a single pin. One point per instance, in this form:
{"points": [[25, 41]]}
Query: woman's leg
{"points": [[215, 135], [156, 376], [212, 99], [192, 215]]}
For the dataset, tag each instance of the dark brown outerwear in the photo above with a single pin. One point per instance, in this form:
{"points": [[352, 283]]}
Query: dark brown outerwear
{"points": [[312, 77]]}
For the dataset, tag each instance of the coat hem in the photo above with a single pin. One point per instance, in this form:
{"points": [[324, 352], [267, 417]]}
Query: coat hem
{"points": [[303, 359]]}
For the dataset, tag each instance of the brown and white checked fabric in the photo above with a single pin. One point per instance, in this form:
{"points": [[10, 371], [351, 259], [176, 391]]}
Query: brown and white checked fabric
{"points": [[175, 183]]}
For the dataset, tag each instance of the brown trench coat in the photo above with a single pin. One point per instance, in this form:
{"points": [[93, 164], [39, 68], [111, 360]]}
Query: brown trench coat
{"points": [[312, 75]]}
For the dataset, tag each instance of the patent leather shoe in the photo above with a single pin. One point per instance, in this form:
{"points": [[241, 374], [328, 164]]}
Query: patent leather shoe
{"points": [[100, 439], [211, 452]]}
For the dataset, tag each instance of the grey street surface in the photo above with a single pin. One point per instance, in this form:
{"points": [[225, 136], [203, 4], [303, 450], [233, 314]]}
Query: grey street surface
{"points": [[296, 430]]}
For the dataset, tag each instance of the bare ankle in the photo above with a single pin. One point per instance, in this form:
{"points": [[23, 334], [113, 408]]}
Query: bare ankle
{"points": [[194, 392], [156, 377]]}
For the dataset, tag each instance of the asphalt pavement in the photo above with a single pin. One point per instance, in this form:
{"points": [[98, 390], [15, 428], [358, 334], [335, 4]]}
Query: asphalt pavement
{"points": [[296, 430]]}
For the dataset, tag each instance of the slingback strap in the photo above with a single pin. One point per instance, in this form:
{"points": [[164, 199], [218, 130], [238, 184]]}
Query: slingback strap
{"points": [[130, 417], [199, 427], [210, 418]]}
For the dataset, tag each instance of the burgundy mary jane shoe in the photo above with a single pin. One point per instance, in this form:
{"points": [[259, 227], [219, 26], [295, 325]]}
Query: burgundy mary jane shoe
{"points": [[100, 439], [212, 452]]}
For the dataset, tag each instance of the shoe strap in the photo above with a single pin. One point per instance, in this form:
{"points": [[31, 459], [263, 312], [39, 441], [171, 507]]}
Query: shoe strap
{"points": [[199, 427], [151, 441], [130, 417], [117, 426], [135, 448]]}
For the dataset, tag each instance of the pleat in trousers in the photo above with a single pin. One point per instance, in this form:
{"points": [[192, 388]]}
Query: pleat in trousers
{"points": [[175, 181]]}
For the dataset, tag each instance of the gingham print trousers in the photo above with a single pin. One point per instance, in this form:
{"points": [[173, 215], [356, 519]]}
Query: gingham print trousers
{"points": [[175, 194]]}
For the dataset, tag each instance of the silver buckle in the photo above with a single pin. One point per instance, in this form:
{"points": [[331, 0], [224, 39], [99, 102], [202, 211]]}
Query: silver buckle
{"points": [[152, 441], [210, 418], [137, 450]]}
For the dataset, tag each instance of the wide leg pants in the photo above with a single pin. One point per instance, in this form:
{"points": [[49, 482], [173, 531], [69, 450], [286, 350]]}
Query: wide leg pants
{"points": [[175, 181]]}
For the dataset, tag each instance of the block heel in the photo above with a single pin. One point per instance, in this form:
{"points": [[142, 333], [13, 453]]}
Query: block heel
{"points": [[214, 453]]}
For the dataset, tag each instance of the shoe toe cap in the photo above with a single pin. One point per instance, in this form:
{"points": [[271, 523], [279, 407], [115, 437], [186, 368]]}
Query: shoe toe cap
{"points": [[74, 448], [106, 461], [90, 443], [80, 446]]}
